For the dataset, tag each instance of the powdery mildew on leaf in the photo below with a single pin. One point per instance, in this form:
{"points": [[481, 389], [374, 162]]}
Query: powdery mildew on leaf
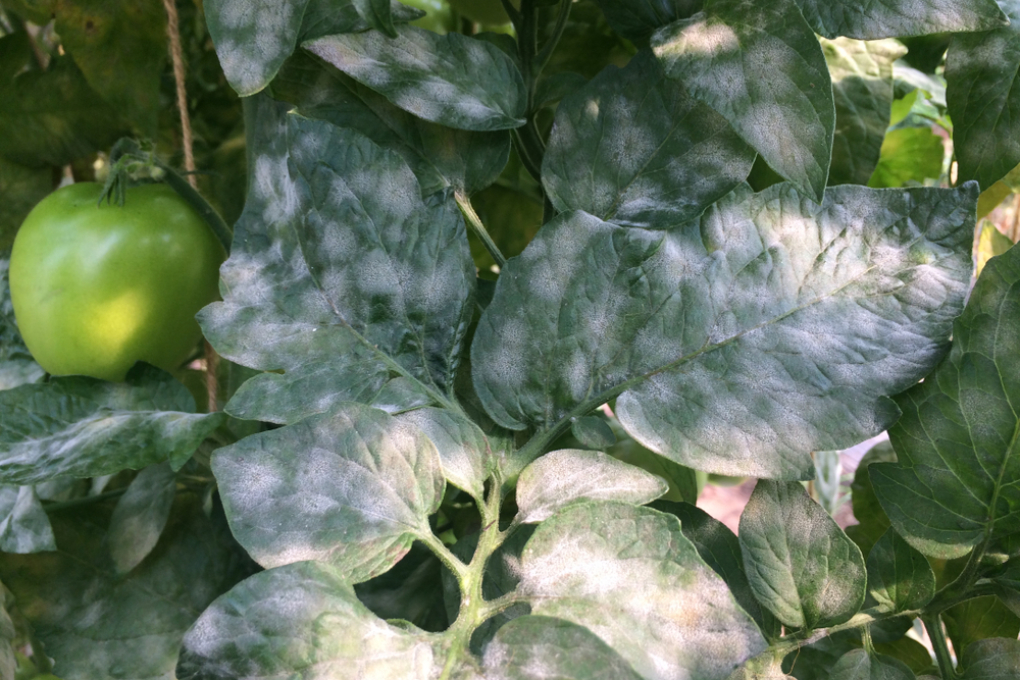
{"points": [[84, 427], [341, 275], [629, 576], [899, 18], [800, 564], [632, 147], [24, 527], [351, 488], [464, 452], [452, 79], [637, 19], [739, 342], [301, 621], [957, 479], [860, 665], [563, 477], [760, 66]]}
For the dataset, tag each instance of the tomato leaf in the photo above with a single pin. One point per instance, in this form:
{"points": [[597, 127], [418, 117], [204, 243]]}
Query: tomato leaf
{"points": [[439, 156], [978, 619], [954, 483], [991, 659], [562, 477], [862, 86], [300, 620], [981, 81], [633, 148], [8, 636], [140, 516], [860, 665], [800, 564], [351, 488], [872, 520], [84, 427], [16, 364], [755, 63], [637, 19], [899, 577], [25, 528], [97, 623], [369, 285], [899, 18], [908, 155], [454, 80], [740, 342], [536, 647], [630, 577]]}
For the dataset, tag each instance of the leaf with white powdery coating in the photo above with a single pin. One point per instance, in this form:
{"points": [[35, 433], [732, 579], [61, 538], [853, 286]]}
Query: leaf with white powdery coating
{"points": [[451, 79], [543, 648], [140, 516], [982, 93], [899, 18], [955, 484], [759, 65], [563, 477], [633, 148], [992, 659], [84, 427], [629, 576], [638, 19], [859, 665], [340, 275], [352, 488], [800, 564], [740, 342], [25, 528], [301, 621], [254, 37], [899, 577]]}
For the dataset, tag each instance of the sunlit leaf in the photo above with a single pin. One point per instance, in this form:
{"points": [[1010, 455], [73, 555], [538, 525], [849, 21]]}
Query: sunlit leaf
{"points": [[464, 452], [908, 155]]}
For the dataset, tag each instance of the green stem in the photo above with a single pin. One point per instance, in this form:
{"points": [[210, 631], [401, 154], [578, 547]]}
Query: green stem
{"points": [[543, 57], [81, 502], [933, 625], [456, 567], [198, 202], [475, 222]]}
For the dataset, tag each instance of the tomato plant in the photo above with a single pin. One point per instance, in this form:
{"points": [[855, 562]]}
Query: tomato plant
{"points": [[438, 17], [498, 308], [97, 286]]}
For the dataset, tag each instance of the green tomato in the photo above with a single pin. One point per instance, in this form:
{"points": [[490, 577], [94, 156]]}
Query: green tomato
{"points": [[482, 11], [96, 288], [438, 17]]}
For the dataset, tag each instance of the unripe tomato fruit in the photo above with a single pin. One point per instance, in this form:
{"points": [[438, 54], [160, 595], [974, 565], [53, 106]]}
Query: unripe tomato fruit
{"points": [[96, 288]]}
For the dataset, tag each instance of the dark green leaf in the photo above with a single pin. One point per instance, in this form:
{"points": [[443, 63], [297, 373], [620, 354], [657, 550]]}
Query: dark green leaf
{"points": [[720, 549], [254, 38], [451, 79], [464, 452], [299, 621], [411, 591], [908, 155], [53, 117], [993, 659], [983, 94], [899, 577], [22, 187], [84, 427], [685, 484], [859, 665], [562, 477], [351, 488], [637, 19], [899, 18], [8, 661], [799, 563], [16, 55], [977, 619], [439, 156], [340, 275], [633, 148], [25, 528], [140, 516], [872, 520], [629, 576], [760, 66], [955, 483], [740, 342], [98, 624], [863, 91], [911, 652], [815, 661], [540, 647], [593, 432], [16, 364], [378, 14], [120, 47]]}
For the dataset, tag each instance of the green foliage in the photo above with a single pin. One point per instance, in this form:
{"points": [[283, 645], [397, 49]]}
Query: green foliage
{"points": [[494, 304]]}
